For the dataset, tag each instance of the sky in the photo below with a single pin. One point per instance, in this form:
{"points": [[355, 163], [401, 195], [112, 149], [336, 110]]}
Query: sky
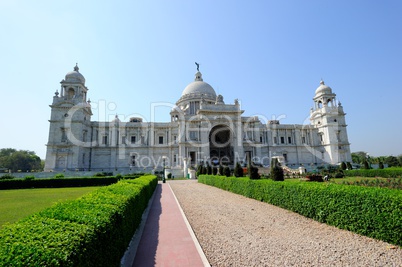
{"points": [[138, 56]]}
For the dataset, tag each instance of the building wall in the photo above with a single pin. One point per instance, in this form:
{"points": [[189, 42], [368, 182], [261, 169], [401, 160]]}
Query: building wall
{"points": [[77, 143]]}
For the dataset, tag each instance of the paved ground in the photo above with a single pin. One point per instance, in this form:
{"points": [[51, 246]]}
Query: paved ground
{"points": [[237, 231], [166, 239]]}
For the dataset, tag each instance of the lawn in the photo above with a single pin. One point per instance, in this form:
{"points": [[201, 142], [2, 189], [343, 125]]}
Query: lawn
{"points": [[17, 204]]}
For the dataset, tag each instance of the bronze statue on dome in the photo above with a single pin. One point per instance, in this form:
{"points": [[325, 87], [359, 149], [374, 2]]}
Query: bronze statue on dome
{"points": [[198, 66]]}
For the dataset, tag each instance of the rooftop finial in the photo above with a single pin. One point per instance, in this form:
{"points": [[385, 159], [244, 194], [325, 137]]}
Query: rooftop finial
{"points": [[322, 82], [198, 66], [76, 67]]}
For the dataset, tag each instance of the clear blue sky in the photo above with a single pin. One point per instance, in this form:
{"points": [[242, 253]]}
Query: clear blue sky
{"points": [[270, 55]]}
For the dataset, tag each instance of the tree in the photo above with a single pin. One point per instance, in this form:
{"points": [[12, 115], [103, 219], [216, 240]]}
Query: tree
{"points": [[381, 165], [392, 161], [349, 165], [276, 170], [359, 157], [209, 169], [343, 166], [254, 172], [365, 164], [221, 170], [226, 171], [203, 169], [21, 160], [400, 160], [238, 170], [199, 170]]}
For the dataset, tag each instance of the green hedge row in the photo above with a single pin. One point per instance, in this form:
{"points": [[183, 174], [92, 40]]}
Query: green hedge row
{"points": [[56, 182], [373, 212], [93, 230], [385, 173]]}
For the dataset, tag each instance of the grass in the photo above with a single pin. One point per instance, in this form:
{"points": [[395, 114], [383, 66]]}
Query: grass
{"points": [[18, 204]]}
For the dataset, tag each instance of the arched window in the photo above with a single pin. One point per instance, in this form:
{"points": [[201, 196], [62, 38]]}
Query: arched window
{"points": [[70, 93]]}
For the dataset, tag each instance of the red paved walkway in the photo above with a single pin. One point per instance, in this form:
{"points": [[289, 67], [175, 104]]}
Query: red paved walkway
{"points": [[166, 240]]}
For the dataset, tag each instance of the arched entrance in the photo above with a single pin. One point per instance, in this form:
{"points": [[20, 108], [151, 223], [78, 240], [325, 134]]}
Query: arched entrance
{"points": [[220, 149]]}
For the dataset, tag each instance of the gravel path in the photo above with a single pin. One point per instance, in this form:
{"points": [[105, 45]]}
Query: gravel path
{"points": [[237, 231]]}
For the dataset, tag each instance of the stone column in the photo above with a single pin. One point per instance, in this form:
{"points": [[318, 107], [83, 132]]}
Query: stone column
{"points": [[185, 166]]}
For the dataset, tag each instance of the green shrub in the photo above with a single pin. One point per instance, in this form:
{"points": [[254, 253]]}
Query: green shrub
{"points": [[119, 176], [133, 175], [254, 172], [384, 173], [93, 230], [103, 174], [366, 165], [199, 170], [220, 170], [343, 166], [392, 183], [203, 170], [374, 212], [59, 175], [6, 177], [209, 169], [29, 177], [314, 178], [381, 165], [349, 165], [226, 171], [276, 170], [238, 170]]}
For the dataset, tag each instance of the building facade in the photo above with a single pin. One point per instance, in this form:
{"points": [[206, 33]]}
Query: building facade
{"points": [[203, 128]]}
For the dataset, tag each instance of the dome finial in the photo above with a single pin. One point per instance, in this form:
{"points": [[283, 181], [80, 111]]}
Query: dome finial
{"points": [[198, 76], [76, 67], [322, 81], [198, 66]]}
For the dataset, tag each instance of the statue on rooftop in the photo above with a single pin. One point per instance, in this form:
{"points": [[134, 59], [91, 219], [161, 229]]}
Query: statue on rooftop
{"points": [[198, 66]]}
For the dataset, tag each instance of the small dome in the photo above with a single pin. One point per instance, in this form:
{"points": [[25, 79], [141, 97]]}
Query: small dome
{"points": [[75, 76], [199, 87], [116, 119], [323, 89]]}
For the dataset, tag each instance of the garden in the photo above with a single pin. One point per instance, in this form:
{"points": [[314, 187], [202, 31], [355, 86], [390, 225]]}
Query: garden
{"points": [[93, 228], [18, 204]]}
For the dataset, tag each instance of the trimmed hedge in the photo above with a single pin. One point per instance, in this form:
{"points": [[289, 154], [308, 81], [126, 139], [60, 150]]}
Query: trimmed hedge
{"points": [[384, 173], [93, 230], [56, 182], [373, 212]]}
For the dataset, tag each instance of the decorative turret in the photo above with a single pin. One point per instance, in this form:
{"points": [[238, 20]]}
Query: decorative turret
{"points": [[73, 86], [324, 96], [69, 129], [329, 118]]}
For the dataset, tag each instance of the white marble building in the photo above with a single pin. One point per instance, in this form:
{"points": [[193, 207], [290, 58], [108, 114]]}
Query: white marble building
{"points": [[203, 128]]}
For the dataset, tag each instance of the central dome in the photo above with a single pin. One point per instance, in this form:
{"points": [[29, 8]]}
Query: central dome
{"points": [[199, 88]]}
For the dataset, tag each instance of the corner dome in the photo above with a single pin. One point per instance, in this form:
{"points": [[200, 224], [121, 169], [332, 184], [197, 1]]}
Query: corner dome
{"points": [[199, 88], [75, 76], [323, 89]]}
